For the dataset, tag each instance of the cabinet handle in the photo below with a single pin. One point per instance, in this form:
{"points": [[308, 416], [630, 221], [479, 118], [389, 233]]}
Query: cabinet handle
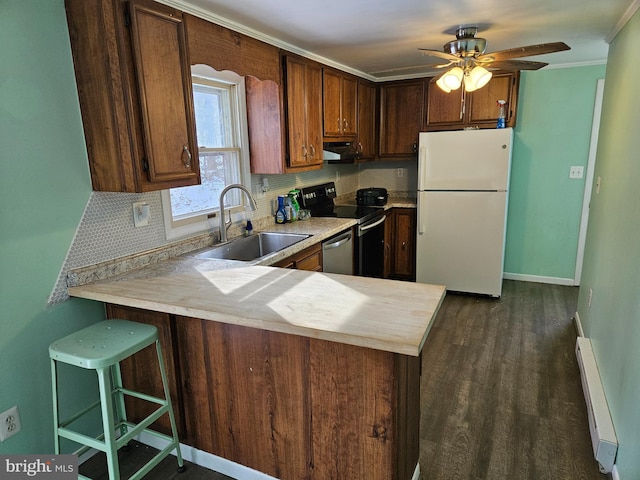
{"points": [[404, 244], [339, 125], [304, 151], [313, 151], [187, 162], [360, 147], [346, 124], [415, 147]]}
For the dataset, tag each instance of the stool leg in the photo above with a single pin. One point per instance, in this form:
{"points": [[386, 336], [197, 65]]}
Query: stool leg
{"points": [[56, 420], [120, 410], [106, 400], [167, 396]]}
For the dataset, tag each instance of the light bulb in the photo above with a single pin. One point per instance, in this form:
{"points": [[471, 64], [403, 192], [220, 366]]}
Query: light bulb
{"points": [[477, 78], [453, 78], [443, 87]]}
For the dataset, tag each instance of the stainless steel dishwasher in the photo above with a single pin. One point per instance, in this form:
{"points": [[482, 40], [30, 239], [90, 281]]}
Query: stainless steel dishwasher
{"points": [[337, 254]]}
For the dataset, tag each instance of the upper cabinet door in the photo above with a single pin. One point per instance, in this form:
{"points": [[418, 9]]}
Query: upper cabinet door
{"points": [[482, 108], [366, 120], [304, 113], [134, 87], [401, 119], [165, 94], [331, 99], [444, 108], [340, 105]]}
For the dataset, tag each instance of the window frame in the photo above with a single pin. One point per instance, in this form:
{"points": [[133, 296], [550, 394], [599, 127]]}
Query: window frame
{"points": [[208, 220]]}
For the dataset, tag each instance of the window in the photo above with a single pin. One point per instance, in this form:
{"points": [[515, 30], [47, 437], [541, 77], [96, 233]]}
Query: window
{"points": [[222, 149]]}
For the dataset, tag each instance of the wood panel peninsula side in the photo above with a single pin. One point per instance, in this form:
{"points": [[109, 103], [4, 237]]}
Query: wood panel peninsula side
{"points": [[297, 374]]}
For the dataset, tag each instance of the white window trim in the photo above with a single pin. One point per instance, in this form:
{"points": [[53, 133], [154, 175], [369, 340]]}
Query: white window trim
{"points": [[204, 223]]}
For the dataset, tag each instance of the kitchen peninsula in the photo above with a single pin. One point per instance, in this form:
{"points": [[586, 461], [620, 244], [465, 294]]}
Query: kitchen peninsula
{"points": [[297, 374]]}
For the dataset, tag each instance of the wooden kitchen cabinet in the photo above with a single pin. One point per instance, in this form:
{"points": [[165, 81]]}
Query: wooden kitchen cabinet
{"points": [[366, 120], [339, 105], [401, 119], [134, 87], [400, 244], [458, 110], [303, 87], [308, 259]]}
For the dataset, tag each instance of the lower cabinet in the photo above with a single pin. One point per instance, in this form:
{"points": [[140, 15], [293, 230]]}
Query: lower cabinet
{"points": [[400, 244], [308, 259], [292, 407]]}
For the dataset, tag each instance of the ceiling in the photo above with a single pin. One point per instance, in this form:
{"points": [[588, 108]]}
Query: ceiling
{"points": [[380, 38]]}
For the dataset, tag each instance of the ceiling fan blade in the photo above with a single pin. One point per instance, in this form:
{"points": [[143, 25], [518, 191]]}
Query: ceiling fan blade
{"points": [[516, 65], [424, 67], [439, 54], [528, 51]]}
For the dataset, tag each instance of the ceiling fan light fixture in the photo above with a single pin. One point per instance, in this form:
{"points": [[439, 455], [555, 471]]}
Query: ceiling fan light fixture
{"points": [[451, 79], [477, 78], [443, 87]]}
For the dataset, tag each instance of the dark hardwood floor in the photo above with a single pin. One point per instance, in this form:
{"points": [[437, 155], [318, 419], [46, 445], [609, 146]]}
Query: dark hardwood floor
{"points": [[500, 389], [137, 456], [500, 394]]}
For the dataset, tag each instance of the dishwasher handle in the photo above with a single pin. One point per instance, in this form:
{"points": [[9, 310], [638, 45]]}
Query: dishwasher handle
{"points": [[337, 241]]}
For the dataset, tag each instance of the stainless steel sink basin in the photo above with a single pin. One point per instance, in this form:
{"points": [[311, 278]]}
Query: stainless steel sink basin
{"points": [[252, 247]]}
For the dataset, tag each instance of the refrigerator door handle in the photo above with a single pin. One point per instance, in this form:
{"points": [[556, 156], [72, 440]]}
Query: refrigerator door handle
{"points": [[419, 216]]}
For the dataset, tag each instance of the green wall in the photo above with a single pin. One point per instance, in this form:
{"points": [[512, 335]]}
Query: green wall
{"points": [[44, 186], [612, 253], [555, 113]]}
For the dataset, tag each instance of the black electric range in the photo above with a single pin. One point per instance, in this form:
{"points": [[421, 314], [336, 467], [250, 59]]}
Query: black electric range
{"points": [[368, 248], [319, 200]]}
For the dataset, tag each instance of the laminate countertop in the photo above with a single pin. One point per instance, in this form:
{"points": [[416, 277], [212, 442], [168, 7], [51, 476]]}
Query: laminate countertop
{"points": [[388, 315]]}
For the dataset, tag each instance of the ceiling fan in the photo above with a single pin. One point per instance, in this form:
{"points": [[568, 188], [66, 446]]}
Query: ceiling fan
{"points": [[471, 63]]}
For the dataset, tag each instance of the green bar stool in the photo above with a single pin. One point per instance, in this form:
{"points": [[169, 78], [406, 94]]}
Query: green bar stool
{"points": [[101, 347]]}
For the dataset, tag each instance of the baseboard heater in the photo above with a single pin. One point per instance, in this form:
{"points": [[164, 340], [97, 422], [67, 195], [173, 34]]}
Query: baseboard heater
{"points": [[603, 436]]}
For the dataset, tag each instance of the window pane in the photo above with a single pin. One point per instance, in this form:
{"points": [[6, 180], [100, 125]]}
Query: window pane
{"points": [[217, 169], [213, 114]]}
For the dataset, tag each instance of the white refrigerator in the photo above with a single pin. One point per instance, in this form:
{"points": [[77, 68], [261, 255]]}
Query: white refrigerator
{"points": [[463, 177]]}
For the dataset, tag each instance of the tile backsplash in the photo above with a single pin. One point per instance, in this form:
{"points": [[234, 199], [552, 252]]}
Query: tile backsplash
{"points": [[106, 230]]}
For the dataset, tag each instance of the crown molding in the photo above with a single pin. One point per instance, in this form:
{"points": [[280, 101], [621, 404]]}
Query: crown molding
{"points": [[250, 32], [626, 16]]}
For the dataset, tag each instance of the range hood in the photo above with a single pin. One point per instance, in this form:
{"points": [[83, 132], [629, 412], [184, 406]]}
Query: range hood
{"points": [[340, 152]]}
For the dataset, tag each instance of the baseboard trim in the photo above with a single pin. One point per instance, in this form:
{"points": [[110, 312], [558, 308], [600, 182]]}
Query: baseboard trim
{"points": [[207, 460], [539, 279], [578, 324], [416, 472], [219, 464]]}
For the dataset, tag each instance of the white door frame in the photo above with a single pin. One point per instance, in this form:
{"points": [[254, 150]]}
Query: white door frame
{"points": [[588, 183]]}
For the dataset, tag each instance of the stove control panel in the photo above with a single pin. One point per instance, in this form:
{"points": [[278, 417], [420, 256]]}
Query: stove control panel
{"points": [[318, 195]]}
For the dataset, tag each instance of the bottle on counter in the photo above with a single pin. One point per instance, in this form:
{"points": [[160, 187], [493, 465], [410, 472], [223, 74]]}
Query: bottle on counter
{"points": [[295, 206], [248, 230], [281, 215]]}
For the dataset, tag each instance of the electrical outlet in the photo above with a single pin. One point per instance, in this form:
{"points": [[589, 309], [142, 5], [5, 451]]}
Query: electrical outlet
{"points": [[577, 171], [590, 298], [400, 172], [9, 423]]}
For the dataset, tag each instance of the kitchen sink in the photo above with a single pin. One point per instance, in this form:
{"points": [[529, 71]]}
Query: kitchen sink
{"points": [[252, 247]]}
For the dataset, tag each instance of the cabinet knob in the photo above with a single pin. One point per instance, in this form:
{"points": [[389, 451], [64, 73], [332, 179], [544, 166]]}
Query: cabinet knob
{"points": [[187, 157]]}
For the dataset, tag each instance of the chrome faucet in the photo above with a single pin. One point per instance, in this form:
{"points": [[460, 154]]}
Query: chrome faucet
{"points": [[223, 224]]}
